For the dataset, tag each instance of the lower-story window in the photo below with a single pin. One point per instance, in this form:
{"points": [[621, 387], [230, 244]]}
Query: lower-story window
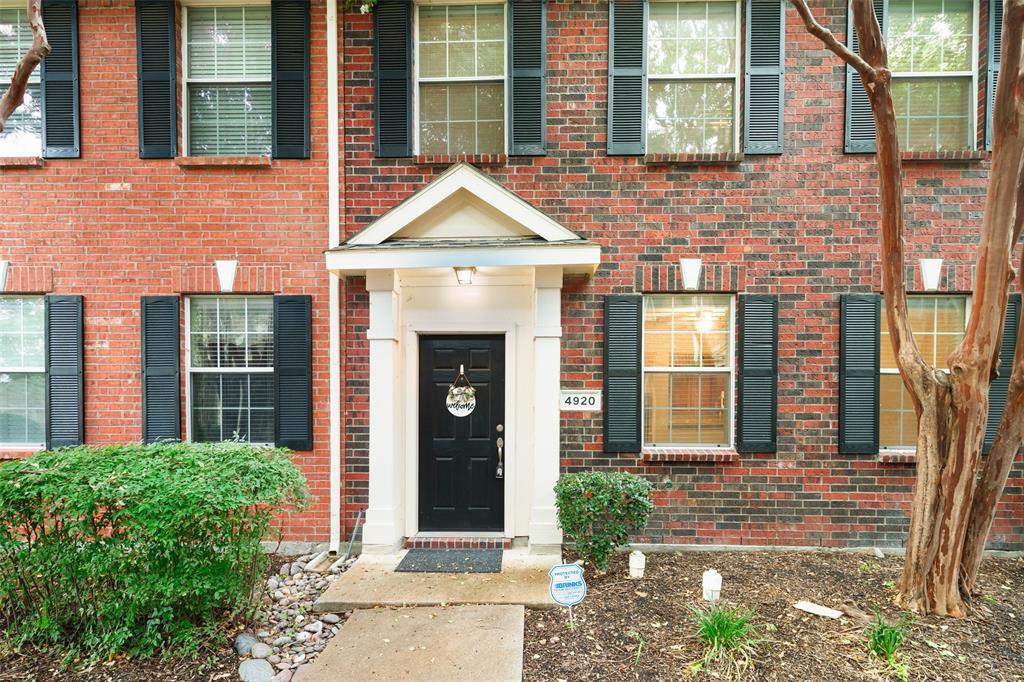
{"points": [[231, 368], [688, 367], [22, 371], [938, 323]]}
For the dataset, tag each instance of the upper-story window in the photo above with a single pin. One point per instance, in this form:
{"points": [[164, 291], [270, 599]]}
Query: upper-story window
{"points": [[23, 132], [938, 323], [693, 77], [460, 78], [932, 54], [227, 80], [22, 371]]}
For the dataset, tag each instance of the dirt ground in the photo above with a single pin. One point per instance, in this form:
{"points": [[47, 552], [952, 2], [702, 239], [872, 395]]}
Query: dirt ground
{"points": [[619, 613]]}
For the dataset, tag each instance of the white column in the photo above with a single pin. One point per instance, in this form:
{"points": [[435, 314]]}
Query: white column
{"points": [[547, 368], [384, 517]]}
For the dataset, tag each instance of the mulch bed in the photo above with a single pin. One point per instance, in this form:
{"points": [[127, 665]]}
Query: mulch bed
{"points": [[618, 613]]}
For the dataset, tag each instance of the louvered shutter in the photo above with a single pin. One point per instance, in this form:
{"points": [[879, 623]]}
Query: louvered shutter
{"points": [[293, 372], [64, 392], [766, 34], [623, 320], [289, 72], [527, 28], [627, 77], [758, 373], [161, 368], [58, 75], [995, 47], [998, 389], [859, 347], [860, 122], [392, 74], [157, 80]]}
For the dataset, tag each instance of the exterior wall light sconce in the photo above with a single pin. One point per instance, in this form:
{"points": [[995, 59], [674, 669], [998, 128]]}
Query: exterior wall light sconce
{"points": [[4, 267], [931, 273], [691, 272], [226, 270], [464, 276]]}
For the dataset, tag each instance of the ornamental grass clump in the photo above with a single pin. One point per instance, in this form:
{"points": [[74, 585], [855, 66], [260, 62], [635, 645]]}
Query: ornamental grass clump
{"points": [[885, 640], [598, 509], [134, 549], [728, 635]]}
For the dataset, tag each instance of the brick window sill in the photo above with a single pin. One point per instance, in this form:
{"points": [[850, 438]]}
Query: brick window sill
{"points": [[672, 455], [21, 162], [17, 453], [447, 160], [964, 155], [897, 457], [694, 159], [223, 161]]}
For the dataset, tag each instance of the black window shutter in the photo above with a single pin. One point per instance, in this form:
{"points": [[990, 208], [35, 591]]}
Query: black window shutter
{"points": [[64, 392], [623, 330], [289, 72], [766, 59], [58, 75], [392, 75], [627, 76], [999, 388], [995, 45], [161, 369], [859, 358], [155, 39], [860, 122], [527, 38], [293, 372], [758, 373]]}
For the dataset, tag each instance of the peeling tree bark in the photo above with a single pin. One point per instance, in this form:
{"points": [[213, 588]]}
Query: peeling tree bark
{"points": [[40, 47], [950, 519]]}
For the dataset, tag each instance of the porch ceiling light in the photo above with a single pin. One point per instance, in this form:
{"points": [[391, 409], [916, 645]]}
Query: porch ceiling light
{"points": [[691, 272], [931, 273], [4, 266], [464, 276], [226, 270]]}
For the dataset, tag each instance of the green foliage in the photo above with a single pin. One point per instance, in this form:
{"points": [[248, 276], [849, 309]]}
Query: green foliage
{"points": [[134, 548], [599, 508], [728, 634], [884, 640]]}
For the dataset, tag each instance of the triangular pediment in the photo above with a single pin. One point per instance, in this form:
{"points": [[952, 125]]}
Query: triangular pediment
{"points": [[463, 204]]}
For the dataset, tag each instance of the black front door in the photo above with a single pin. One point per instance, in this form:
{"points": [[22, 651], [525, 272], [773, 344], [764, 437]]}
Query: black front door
{"points": [[459, 485]]}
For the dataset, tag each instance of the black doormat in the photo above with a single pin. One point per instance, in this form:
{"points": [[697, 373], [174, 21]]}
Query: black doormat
{"points": [[451, 561]]}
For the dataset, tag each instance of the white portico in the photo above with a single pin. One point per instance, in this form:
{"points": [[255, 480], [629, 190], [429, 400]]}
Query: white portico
{"points": [[516, 258]]}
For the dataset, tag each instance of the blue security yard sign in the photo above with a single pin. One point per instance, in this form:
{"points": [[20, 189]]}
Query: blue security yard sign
{"points": [[568, 587]]}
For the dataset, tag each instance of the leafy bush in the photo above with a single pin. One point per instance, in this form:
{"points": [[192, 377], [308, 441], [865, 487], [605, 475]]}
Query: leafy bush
{"points": [[728, 635], [599, 508], [884, 640], [135, 548]]}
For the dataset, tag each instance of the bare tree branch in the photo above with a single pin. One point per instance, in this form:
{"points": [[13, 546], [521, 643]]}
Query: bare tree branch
{"points": [[826, 36], [15, 94]]}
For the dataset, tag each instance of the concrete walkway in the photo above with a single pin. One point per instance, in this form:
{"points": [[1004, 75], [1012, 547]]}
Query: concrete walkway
{"points": [[372, 581], [454, 644]]}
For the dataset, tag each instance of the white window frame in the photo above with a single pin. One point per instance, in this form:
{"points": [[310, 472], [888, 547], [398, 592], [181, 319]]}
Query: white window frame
{"points": [[190, 370], [735, 76], [973, 74], [34, 79], [883, 371], [31, 369], [186, 82], [504, 80], [730, 371]]}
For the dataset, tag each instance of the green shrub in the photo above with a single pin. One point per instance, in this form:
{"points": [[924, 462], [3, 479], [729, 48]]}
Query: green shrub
{"points": [[728, 635], [598, 509], [884, 641], [134, 548]]}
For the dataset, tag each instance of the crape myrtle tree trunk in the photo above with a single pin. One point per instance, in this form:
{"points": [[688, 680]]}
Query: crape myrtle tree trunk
{"points": [[953, 507], [15, 94]]}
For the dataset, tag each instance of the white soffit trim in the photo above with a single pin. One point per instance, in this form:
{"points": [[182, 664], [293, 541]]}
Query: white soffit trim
{"points": [[577, 258], [462, 176]]}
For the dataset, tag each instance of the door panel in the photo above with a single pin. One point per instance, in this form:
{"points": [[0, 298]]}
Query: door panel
{"points": [[458, 456]]}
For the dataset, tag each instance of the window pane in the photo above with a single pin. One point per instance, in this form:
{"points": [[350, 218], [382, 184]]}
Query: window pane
{"points": [[461, 41], [231, 331], [691, 38], [229, 42], [226, 406], [462, 118], [22, 134], [930, 35], [897, 421], [229, 120], [22, 344], [22, 409], [689, 117], [933, 113]]}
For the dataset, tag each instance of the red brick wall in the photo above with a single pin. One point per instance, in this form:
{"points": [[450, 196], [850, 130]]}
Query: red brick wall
{"points": [[803, 225], [113, 227]]}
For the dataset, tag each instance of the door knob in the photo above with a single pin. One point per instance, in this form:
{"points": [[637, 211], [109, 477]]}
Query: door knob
{"points": [[500, 473]]}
